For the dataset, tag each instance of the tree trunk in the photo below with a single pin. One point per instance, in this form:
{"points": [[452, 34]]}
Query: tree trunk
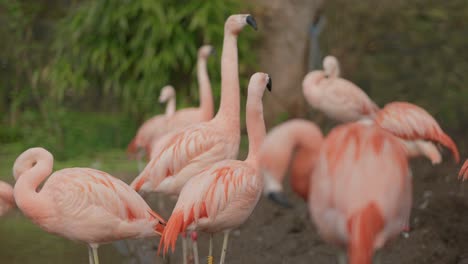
{"points": [[283, 53]]}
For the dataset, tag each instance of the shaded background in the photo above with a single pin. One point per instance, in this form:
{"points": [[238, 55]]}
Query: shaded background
{"points": [[79, 77]]}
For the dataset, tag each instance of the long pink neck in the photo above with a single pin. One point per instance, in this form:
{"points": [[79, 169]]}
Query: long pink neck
{"points": [[206, 97], [255, 125], [229, 109], [170, 107], [28, 199]]}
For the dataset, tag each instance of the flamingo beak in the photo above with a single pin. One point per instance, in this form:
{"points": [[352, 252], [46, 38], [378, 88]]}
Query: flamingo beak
{"points": [[251, 21], [269, 84], [279, 198]]}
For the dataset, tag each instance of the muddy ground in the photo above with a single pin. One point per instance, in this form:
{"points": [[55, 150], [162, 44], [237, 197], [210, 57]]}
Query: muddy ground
{"points": [[439, 229]]}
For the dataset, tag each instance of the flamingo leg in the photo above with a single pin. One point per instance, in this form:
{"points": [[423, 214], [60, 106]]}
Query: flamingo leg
{"points": [[184, 248], [210, 251], [194, 237], [90, 255], [225, 242], [95, 253]]}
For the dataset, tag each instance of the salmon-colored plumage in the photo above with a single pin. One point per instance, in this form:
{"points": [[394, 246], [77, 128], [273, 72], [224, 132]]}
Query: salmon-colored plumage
{"points": [[294, 144], [337, 98], [224, 195], [186, 152], [411, 122], [360, 191], [7, 201], [81, 204]]}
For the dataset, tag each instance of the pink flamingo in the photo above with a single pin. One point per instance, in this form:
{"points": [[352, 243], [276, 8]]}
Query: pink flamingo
{"points": [[417, 127], [7, 201], [186, 152], [298, 142], [223, 196], [360, 192], [81, 204], [338, 98], [463, 174], [155, 126]]}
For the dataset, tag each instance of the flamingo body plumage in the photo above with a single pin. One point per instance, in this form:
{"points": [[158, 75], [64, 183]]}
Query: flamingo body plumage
{"points": [[7, 201], [360, 191]]}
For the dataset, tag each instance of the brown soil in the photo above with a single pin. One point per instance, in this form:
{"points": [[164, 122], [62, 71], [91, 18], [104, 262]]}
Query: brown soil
{"points": [[438, 230]]}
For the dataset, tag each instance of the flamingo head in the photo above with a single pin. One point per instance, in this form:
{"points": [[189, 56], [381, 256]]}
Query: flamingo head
{"points": [[331, 66], [167, 93], [235, 23], [29, 159], [205, 51]]}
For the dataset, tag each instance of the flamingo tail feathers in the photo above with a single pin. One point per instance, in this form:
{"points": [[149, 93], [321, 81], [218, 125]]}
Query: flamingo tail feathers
{"points": [[463, 174], [171, 232], [445, 140], [363, 228]]}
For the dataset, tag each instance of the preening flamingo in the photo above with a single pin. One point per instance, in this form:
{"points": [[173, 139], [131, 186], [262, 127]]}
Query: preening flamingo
{"points": [[7, 201], [296, 142], [360, 191], [223, 196], [186, 152], [415, 125], [81, 204], [155, 126], [337, 98]]}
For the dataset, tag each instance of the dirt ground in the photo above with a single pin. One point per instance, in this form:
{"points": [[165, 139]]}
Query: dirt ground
{"points": [[438, 233]]}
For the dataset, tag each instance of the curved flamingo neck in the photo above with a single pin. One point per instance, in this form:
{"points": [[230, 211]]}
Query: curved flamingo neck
{"points": [[206, 96], [27, 196], [255, 125], [229, 109], [170, 107]]}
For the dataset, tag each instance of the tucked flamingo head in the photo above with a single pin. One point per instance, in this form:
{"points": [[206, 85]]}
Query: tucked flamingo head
{"points": [[331, 66], [235, 23], [29, 159], [205, 51], [167, 93]]}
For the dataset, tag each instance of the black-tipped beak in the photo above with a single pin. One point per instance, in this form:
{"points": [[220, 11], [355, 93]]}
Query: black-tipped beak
{"points": [[212, 51], [251, 21], [279, 198], [269, 84]]}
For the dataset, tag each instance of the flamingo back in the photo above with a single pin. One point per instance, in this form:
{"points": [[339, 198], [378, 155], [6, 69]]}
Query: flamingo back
{"points": [[361, 181]]}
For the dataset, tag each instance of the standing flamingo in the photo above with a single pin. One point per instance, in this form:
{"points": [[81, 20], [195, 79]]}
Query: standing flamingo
{"points": [[298, 142], [189, 116], [338, 98], [222, 197], [417, 127], [360, 192], [155, 126], [186, 152], [81, 204], [7, 201]]}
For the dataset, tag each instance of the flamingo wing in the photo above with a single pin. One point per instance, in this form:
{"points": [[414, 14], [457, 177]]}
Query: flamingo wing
{"points": [[152, 128], [411, 122], [178, 150], [209, 194], [76, 190]]}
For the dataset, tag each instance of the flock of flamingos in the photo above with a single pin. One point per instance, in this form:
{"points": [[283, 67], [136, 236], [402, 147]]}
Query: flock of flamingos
{"points": [[356, 180]]}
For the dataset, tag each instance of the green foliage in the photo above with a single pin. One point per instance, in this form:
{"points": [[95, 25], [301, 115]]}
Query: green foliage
{"points": [[128, 50], [404, 50]]}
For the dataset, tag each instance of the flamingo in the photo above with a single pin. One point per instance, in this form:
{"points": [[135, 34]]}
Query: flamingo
{"points": [[7, 201], [81, 204], [155, 126], [186, 152], [417, 127], [463, 174], [360, 191], [298, 142], [338, 98], [194, 115], [223, 196]]}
